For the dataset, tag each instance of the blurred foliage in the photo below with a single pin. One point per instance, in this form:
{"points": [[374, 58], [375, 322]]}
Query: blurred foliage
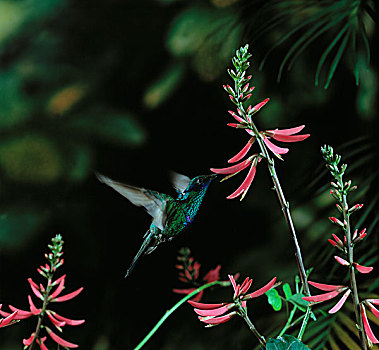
{"points": [[133, 88]]}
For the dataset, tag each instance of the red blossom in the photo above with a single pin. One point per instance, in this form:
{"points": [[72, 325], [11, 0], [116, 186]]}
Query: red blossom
{"points": [[28, 341], [215, 314], [212, 275], [59, 340], [11, 318], [367, 327], [332, 292], [67, 296], [363, 269]]}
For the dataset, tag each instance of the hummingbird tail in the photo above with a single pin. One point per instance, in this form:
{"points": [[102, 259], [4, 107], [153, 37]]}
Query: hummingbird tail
{"points": [[143, 250]]}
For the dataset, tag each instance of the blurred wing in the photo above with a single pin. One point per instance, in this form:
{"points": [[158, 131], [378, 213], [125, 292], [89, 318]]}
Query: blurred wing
{"points": [[150, 200], [179, 182]]}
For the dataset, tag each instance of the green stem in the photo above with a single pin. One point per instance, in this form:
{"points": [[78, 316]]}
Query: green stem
{"points": [[179, 303], [243, 313], [287, 325], [42, 313], [350, 254], [304, 323]]}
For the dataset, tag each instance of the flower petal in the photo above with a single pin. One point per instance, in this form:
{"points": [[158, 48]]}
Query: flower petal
{"points": [[363, 269], [243, 151], [204, 306], [336, 307], [28, 341], [213, 275], [326, 287], [35, 289], [68, 296], [198, 296], [58, 290], [234, 284], [59, 340], [373, 309], [290, 131], [261, 291], [274, 148], [235, 116], [245, 184], [21, 314], [322, 297], [217, 320], [41, 344], [341, 261], [214, 312], [290, 138], [7, 320], [33, 309], [258, 106], [373, 301], [68, 321], [367, 327], [55, 322], [233, 169], [246, 285]]}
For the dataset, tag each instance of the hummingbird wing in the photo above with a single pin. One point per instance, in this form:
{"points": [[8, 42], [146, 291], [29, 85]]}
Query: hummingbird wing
{"points": [[179, 182], [152, 201]]}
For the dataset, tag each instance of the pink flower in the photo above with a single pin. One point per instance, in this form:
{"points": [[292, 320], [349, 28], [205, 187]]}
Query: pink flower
{"points": [[366, 325], [215, 314], [332, 290], [59, 340], [8, 320], [245, 122], [189, 271]]}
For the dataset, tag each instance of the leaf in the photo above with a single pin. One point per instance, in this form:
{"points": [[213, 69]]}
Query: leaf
{"points": [[31, 158], [17, 224], [112, 126], [286, 342], [297, 300], [161, 89], [287, 291], [274, 299]]}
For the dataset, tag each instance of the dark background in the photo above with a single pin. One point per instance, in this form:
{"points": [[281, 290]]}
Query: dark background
{"points": [[133, 89]]}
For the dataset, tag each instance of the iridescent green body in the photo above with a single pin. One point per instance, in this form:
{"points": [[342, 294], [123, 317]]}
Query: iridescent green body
{"points": [[170, 215]]}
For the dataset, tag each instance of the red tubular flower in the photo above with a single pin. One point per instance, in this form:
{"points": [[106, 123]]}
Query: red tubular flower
{"points": [[332, 290], [67, 296], [367, 327], [28, 341], [59, 340], [8, 319], [41, 343], [363, 269], [189, 273], [214, 314]]}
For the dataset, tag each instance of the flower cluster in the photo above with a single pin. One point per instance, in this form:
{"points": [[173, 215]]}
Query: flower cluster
{"points": [[239, 96], [215, 314], [339, 191], [189, 271], [50, 293]]}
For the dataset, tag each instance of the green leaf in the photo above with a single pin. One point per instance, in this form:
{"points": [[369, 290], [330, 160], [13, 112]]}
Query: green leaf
{"points": [[297, 300], [31, 158], [78, 161], [287, 291], [160, 90], [274, 299], [286, 342], [112, 126], [18, 223]]}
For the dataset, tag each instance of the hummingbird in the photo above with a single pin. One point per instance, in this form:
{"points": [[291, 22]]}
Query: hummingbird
{"points": [[170, 215]]}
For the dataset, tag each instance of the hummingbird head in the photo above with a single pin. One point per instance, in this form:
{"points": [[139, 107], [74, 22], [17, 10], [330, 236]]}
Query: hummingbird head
{"points": [[200, 183]]}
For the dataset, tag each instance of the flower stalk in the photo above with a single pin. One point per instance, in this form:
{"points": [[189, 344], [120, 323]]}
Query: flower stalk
{"points": [[340, 191]]}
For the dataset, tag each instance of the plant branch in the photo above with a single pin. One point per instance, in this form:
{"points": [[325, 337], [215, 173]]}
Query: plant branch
{"points": [[176, 306]]}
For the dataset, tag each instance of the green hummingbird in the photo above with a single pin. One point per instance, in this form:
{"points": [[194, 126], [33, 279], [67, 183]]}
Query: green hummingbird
{"points": [[170, 215]]}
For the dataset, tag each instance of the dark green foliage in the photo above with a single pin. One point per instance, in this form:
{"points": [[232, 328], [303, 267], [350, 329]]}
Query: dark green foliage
{"points": [[286, 342]]}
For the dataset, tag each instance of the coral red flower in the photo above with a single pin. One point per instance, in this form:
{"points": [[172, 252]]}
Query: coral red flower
{"points": [[59, 340], [284, 135], [332, 292], [366, 325], [11, 318], [215, 314], [189, 272]]}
